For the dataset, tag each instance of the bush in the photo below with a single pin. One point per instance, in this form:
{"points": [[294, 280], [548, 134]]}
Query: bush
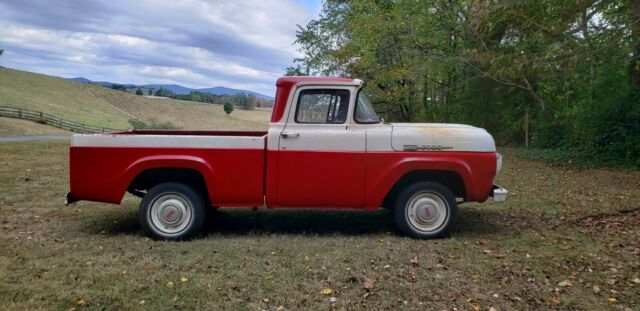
{"points": [[152, 124], [228, 108]]}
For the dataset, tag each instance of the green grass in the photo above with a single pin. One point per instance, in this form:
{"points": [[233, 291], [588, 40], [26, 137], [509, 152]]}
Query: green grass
{"points": [[559, 224], [579, 158], [102, 107]]}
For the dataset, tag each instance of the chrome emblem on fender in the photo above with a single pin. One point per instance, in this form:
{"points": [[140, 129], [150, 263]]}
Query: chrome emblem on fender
{"points": [[424, 147]]}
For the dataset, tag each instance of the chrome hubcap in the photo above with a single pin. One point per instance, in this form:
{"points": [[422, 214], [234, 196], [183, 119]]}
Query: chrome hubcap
{"points": [[427, 211], [170, 214]]}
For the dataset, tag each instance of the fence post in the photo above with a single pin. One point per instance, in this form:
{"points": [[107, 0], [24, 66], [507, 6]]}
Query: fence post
{"points": [[20, 113], [82, 128]]}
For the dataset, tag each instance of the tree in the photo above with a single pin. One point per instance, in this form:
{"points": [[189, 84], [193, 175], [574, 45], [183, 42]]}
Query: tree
{"points": [[546, 73], [162, 92], [139, 92], [228, 108], [296, 71], [150, 92], [1, 51], [118, 87], [244, 102]]}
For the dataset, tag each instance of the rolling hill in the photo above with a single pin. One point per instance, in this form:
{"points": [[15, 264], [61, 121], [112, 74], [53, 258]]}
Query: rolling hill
{"points": [[178, 89], [99, 106]]}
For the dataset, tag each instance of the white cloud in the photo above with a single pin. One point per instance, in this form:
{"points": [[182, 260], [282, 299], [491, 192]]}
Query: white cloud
{"points": [[195, 43]]}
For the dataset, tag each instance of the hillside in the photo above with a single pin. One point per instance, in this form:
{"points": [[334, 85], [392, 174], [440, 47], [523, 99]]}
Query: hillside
{"points": [[99, 106], [16, 127], [178, 89]]}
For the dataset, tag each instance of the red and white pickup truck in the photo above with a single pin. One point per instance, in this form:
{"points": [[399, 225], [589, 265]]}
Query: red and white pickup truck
{"points": [[325, 148]]}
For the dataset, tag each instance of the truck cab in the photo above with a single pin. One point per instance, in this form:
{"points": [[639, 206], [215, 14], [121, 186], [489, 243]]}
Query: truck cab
{"points": [[325, 148]]}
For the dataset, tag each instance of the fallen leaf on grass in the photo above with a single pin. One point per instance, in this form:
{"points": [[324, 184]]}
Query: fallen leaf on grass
{"points": [[565, 283], [142, 302], [596, 289], [369, 283], [79, 301], [410, 277], [612, 299], [636, 280], [233, 285], [169, 284], [333, 299], [265, 300], [183, 279], [326, 291], [414, 261]]}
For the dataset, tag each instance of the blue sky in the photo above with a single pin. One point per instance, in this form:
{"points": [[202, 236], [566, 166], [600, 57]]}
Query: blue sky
{"points": [[242, 44]]}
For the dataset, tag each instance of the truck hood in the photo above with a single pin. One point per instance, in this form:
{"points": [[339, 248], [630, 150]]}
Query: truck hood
{"points": [[440, 136]]}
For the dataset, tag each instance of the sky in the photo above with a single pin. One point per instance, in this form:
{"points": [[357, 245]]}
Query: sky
{"points": [[243, 44]]}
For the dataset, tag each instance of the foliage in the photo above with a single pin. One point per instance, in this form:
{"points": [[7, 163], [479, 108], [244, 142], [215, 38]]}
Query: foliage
{"points": [[162, 92], [118, 87], [152, 124], [139, 92], [228, 108], [1, 51], [242, 101], [553, 74]]}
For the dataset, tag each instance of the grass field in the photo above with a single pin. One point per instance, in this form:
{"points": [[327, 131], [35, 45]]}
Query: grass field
{"points": [[102, 107], [565, 239], [17, 127]]}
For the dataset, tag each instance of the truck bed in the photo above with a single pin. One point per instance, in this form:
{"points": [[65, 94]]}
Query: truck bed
{"points": [[102, 166]]}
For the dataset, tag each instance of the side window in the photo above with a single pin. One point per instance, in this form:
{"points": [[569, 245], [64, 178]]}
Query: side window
{"points": [[322, 106]]}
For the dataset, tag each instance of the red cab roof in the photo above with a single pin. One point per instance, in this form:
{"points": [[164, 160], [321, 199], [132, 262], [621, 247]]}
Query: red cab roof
{"points": [[298, 79]]}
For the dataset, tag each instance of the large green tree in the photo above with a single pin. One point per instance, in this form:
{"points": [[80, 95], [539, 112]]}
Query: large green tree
{"points": [[550, 73]]}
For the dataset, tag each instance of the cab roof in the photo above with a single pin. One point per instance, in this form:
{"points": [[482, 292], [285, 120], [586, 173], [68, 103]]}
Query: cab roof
{"points": [[292, 80]]}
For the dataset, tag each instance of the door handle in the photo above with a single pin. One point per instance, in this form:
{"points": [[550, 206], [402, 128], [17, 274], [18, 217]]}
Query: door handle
{"points": [[288, 134]]}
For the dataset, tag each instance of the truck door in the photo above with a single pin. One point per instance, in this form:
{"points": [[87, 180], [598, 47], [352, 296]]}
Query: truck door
{"points": [[321, 162]]}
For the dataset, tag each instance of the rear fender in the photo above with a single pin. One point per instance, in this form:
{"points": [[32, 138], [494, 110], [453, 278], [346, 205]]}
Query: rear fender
{"points": [[167, 161]]}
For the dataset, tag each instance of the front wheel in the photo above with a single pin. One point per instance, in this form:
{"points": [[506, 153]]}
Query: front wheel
{"points": [[425, 210], [172, 211]]}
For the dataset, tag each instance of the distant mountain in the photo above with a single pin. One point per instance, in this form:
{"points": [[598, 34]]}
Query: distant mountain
{"points": [[178, 89]]}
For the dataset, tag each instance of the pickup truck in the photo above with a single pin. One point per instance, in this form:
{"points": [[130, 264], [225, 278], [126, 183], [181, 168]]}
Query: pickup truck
{"points": [[325, 148]]}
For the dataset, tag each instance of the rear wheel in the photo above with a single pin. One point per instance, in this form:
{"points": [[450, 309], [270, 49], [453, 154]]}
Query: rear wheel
{"points": [[425, 210], [172, 211]]}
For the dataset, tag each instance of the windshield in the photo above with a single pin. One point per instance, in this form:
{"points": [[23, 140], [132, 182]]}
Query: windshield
{"points": [[364, 111]]}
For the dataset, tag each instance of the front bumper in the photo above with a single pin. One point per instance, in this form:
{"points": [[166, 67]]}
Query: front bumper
{"points": [[499, 194]]}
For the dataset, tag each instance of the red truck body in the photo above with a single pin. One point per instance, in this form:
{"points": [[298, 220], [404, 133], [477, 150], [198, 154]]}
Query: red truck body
{"points": [[345, 164]]}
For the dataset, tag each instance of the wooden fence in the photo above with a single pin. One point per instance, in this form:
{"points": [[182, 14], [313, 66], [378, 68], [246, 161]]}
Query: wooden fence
{"points": [[51, 120]]}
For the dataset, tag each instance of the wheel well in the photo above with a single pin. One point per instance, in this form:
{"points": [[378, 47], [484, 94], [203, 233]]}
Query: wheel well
{"points": [[151, 177], [449, 179]]}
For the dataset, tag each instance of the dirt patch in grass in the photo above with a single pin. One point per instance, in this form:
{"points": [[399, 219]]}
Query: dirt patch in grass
{"points": [[560, 242]]}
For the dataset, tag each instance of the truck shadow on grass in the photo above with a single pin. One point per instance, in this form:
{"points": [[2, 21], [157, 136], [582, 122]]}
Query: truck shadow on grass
{"points": [[244, 221]]}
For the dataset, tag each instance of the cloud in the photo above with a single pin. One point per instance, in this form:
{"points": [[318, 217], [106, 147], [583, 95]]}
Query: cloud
{"points": [[195, 43]]}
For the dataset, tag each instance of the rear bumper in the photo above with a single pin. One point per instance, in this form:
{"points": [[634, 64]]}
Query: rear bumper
{"points": [[69, 199], [499, 194]]}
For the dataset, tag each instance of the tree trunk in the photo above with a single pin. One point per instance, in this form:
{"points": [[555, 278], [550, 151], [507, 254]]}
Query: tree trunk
{"points": [[634, 64], [525, 126]]}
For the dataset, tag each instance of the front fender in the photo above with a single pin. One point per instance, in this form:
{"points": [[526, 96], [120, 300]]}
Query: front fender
{"points": [[382, 184]]}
